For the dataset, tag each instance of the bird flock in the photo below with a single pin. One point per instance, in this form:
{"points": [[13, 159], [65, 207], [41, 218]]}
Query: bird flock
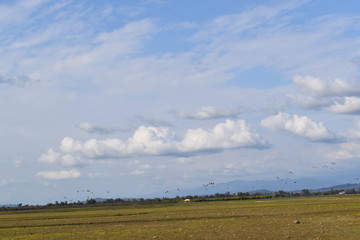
{"points": [[286, 180]]}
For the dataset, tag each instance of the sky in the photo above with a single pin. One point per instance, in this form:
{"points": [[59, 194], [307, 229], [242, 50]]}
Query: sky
{"points": [[126, 98]]}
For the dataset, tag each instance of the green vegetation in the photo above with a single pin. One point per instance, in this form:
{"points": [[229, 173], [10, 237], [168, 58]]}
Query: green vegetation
{"points": [[321, 217], [194, 198]]}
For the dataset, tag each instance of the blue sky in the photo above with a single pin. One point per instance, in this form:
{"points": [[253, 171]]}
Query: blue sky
{"points": [[133, 97]]}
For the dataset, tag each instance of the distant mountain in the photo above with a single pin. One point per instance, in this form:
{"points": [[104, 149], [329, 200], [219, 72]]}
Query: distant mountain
{"points": [[8, 205], [252, 187], [339, 187], [261, 186]]}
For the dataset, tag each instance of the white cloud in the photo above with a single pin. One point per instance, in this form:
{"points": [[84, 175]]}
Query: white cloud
{"points": [[338, 96], [59, 175], [110, 45], [90, 128], [310, 102], [299, 125], [230, 165], [350, 105], [50, 157], [347, 151], [140, 169], [133, 162], [64, 159], [227, 135], [152, 121], [210, 112], [339, 155], [354, 133], [18, 12], [71, 48], [229, 37], [318, 86], [145, 166], [233, 24], [17, 162], [157, 141], [137, 172], [184, 160]]}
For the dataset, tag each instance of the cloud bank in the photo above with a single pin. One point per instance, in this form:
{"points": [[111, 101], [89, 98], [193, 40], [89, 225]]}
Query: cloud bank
{"points": [[320, 87], [157, 141]]}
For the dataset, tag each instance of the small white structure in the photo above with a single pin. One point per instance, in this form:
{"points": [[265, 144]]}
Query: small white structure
{"points": [[186, 200]]}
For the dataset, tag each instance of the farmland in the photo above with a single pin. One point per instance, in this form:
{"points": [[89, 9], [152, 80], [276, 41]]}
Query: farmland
{"points": [[322, 217]]}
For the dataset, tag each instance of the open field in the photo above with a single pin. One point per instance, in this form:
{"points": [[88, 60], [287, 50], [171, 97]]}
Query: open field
{"points": [[331, 217]]}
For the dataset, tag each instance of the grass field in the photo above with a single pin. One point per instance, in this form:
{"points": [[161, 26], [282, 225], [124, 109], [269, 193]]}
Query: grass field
{"points": [[331, 217]]}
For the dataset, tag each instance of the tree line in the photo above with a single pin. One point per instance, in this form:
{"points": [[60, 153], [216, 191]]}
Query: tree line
{"points": [[194, 198]]}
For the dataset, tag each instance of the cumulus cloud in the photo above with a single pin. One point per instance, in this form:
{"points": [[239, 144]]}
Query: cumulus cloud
{"points": [[347, 151], [320, 87], [210, 112], [299, 125], [64, 159], [350, 105], [59, 175], [227, 135], [157, 141], [90, 128], [337, 96], [50, 157]]}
